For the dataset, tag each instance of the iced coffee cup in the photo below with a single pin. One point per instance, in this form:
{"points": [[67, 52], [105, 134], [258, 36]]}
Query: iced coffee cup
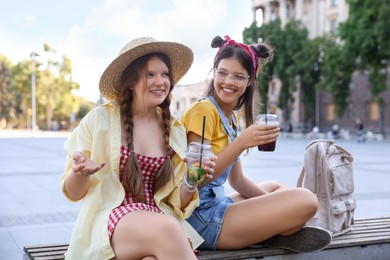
{"points": [[267, 119], [197, 157]]}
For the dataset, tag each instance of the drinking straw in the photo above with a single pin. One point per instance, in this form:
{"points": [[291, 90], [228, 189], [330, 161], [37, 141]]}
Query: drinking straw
{"points": [[265, 111], [201, 147]]}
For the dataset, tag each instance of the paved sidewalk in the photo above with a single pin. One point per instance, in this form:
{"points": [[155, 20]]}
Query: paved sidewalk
{"points": [[34, 211]]}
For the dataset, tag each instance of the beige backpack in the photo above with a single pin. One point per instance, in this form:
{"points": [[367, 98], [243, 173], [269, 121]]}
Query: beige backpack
{"points": [[327, 172]]}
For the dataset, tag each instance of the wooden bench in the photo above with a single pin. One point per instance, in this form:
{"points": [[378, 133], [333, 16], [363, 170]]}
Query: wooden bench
{"points": [[369, 239]]}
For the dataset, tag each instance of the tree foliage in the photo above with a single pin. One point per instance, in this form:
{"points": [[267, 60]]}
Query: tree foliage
{"points": [[8, 107], [327, 62], [293, 63], [336, 70], [365, 36], [21, 81], [55, 99]]}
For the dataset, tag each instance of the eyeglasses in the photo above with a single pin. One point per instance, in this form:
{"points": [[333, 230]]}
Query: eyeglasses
{"points": [[238, 79]]}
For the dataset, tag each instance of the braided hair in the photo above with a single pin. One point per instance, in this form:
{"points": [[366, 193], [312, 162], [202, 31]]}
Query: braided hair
{"points": [[132, 175]]}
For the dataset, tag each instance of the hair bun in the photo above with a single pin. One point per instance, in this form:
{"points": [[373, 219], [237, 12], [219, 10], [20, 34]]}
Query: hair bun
{"points": [[217, 42], [264, 51]]}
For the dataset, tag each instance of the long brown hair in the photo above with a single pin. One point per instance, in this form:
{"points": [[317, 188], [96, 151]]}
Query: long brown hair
{"points": [[132, 175]]}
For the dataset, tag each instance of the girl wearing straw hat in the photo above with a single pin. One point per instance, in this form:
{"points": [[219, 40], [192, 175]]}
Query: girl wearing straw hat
{"points": [[125, 161], [255, 213]]}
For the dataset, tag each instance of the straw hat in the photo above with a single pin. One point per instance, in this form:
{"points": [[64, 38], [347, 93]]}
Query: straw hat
{"points": [[180, 56]]}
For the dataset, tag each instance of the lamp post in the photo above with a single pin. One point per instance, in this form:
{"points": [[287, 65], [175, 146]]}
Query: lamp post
{"points": [[33, 55], [317, 100], [317, 70]]}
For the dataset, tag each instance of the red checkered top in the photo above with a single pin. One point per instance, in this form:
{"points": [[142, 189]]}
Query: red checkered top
{"points": [[149, 167]]}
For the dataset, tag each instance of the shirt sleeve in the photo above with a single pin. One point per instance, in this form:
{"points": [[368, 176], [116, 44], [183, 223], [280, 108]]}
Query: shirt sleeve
{"points": [[79, 140], [193, 119]]}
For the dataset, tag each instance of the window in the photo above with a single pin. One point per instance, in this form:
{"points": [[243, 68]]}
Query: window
{"points": [[374, 111], [259, 16], [273, 16], [333, 27], [288, 11], [330, 112], [272, 92]]}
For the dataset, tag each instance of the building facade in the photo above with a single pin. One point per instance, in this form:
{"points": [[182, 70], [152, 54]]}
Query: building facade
{"points": [[322, 17], [319, 16], [184, 95]]}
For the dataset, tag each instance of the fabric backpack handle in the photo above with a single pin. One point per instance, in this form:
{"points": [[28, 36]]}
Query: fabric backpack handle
{"points": [[301, 176]]}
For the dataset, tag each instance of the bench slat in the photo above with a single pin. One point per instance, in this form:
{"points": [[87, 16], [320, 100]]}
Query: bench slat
{"points": [[53, 257], [365, 232]]}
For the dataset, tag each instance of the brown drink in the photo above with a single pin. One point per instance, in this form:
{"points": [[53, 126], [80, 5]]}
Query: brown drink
{"points": [[267, 147], [267, 119]]}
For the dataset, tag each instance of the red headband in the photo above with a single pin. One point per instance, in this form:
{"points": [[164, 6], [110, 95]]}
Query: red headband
{"points": [[246, 48]]}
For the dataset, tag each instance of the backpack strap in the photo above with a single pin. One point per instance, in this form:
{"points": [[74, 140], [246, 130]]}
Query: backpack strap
{"points": [[303, 171], [301, 176], [232, 133]]}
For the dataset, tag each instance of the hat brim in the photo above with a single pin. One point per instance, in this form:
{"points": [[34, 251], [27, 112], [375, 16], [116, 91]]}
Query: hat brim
{"points": [[181, 58]]}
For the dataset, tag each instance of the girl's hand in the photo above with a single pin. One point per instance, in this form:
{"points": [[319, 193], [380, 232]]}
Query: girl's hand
{"points": [[209, 172], [209, 168], [84, 166], [256, 135]]}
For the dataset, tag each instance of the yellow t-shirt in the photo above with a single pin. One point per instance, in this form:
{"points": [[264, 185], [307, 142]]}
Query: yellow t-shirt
{"points": [[99, 137], [214, 130]]}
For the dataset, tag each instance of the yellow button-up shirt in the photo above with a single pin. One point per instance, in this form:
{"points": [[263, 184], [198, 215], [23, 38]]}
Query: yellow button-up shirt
{"points": [[98, 136]]}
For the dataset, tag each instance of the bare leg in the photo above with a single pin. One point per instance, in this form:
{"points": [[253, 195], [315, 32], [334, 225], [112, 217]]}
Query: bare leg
{"points": [[268, 186], [149, 235], [254, 220]]}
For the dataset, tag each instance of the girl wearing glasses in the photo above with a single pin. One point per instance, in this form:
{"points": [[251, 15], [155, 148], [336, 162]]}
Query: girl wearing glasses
{"points": [[267, 212]]}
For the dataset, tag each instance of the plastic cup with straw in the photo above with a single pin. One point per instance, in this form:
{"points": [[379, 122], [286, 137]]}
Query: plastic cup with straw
{"points": [[202, 141], [196, 154], [267, 119]]}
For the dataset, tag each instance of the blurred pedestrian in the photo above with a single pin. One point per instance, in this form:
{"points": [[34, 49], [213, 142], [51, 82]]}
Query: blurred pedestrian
{"points": [[359, 130]]}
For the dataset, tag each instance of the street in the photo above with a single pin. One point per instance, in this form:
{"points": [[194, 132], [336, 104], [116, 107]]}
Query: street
{"points": [[34, 211]]}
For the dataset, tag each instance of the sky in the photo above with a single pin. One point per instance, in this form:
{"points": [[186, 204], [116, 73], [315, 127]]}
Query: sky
{"points": [[92, 32]]}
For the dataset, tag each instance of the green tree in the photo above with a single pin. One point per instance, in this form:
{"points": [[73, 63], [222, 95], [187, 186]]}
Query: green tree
{"points": [[336, 71], [21, 81], [294, 62], [54, 90], [252, 35], [55, 100], [366, 37], [68, 103], [309, 71], [8, 96]]}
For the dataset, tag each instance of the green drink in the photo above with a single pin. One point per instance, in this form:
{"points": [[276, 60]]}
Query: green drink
{"points": [[197, 157]]}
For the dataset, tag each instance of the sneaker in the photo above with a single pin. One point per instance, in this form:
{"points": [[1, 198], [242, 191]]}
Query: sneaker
{"points": [[307, 239]]}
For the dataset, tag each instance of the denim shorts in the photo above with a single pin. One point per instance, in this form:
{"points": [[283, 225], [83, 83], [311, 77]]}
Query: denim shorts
{"points": [[207, 221]]}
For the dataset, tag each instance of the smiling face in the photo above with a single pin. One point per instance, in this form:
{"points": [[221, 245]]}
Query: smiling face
{"points": [[226, 90], [154, 85]]}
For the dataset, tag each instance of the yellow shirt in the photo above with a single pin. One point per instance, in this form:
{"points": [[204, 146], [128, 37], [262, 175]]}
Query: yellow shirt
{"points": [[214, 130], [98, 136]]}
